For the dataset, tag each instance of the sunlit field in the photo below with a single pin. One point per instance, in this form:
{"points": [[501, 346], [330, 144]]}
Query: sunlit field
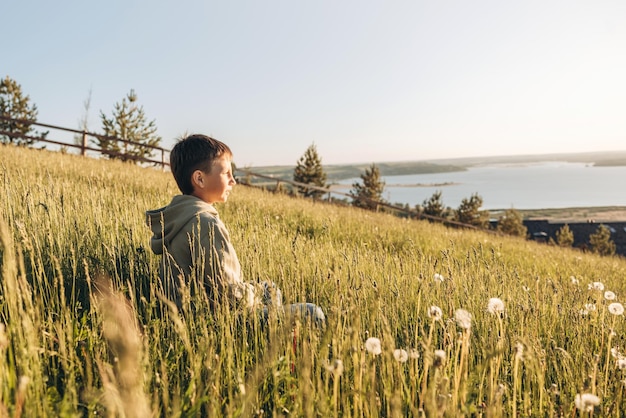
{"points": [[422, 320]]}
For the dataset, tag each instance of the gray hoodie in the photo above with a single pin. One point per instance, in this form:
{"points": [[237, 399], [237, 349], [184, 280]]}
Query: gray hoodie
{"points": [[195, 243]]}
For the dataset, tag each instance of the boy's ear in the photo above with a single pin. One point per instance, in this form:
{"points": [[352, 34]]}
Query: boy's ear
{"points": [[197, 179]]}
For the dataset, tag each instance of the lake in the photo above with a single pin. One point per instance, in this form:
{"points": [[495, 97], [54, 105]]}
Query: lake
{"points": [[520, 186]]}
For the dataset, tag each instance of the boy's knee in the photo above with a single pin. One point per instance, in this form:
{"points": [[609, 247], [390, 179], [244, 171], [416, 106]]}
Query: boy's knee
{"points": [[309, 311]]}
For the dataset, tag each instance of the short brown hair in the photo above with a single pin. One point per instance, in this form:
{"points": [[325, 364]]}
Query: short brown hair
{"points": [[195, 152]]}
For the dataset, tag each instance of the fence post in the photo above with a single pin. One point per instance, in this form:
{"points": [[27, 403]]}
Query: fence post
{"points": [[162, 159], [84, 144]]}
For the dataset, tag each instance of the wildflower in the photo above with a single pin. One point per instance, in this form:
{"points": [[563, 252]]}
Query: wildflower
{"points": [[596, 286], [608, 295], [463, 318], [434, 312], [586, 401], [574, 280], [495, 306], [413, 353], [615, 352], [336, 367], [440, 358], [438, 278], [372, 344], [400, 355], [590, 307], [616, 308]]}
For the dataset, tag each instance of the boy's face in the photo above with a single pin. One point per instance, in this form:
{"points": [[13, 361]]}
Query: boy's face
{"points": [[214, 186]]}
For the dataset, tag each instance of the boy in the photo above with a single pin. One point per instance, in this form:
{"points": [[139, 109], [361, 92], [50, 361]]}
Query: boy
{"points": [[194, 241]]}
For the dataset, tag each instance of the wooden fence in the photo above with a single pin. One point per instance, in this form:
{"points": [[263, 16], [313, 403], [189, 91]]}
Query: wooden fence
{"points": [[84, 145]]}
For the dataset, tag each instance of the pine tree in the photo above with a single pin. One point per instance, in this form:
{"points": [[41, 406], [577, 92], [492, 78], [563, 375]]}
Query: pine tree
{"points": [[14, 104], [565, 236], [469, 212], [367, 195], [128, 122], [309, 171], [601, 242], [434, 206], [512, 223]]}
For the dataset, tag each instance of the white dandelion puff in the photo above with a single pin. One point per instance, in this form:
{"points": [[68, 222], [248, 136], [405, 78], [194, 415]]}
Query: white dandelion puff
{"points": [[615, 352], [336, 367], [621, 363], [435, 313], [438, 278], [616, 308], [574, 280], [372, 344], [596, 286], [608, 295], [586, 401], [495, 306], [590, 307], [400, 355], [463, 318], [413, 353], [440, 358]]}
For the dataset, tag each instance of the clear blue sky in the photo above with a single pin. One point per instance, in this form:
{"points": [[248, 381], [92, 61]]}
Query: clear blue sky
{"points": [[366, 81]]}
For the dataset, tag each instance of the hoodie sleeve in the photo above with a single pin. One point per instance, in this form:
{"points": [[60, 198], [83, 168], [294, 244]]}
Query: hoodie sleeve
{"points": [[222, 268]]}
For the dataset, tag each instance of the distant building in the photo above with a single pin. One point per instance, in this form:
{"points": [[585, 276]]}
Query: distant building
{"points": [[544, 230]]}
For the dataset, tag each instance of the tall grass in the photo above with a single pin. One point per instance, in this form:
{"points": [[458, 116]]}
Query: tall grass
{"points": [[85, 330]]}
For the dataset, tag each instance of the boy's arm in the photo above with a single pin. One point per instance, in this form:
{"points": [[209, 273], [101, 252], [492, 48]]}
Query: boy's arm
{"points": [[223, 271]]}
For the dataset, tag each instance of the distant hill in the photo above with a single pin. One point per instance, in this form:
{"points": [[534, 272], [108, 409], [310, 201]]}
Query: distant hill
{"points": [[347, 171], [602, 158], [342, 172]]}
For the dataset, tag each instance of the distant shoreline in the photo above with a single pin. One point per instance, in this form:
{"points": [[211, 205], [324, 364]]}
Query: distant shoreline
{"points": [[448, 183]]}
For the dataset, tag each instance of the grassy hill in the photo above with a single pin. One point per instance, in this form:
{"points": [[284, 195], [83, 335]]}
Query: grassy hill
{"points": [[85, 331]]}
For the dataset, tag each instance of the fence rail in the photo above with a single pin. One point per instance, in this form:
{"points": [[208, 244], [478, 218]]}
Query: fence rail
{"points": [[84, 146]]}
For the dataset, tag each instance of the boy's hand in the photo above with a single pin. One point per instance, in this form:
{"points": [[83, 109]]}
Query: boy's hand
{"points": [[271, 294]]}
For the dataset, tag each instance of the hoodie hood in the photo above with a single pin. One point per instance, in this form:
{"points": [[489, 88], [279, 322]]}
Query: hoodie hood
{"points": [[167, 221]]}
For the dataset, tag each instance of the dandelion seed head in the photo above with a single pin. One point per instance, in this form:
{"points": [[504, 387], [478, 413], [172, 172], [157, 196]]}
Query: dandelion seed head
{"points": [[616, 308], [590, 307], [336, 367], [574, 280], [621, 363], [586, 401], [584, 312], [440, 358], [608, 295], [599, 286], [413, 353], [495, 306], [435, 313], [463, 318], [400, 355], [372, 344], [438, 278], [615, 352]]}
